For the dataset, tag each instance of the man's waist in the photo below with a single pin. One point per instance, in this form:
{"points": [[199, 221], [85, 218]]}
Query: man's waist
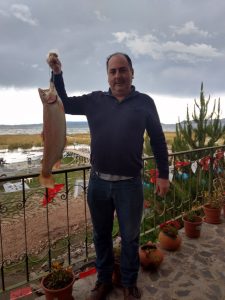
{"points": [[111, 177]]}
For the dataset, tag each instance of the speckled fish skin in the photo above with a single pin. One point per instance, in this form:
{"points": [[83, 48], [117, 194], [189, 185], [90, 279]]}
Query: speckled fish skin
{"points": [[54, 133]]}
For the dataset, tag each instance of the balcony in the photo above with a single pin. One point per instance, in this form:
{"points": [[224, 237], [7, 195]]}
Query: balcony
{"points": [[194, 272], [38, 226]]}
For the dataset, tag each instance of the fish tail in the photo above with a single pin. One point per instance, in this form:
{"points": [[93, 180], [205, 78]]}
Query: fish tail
{"points": [[47, 181]]}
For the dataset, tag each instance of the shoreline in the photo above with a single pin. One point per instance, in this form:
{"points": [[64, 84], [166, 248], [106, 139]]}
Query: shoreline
{"points": [[25, 161]]}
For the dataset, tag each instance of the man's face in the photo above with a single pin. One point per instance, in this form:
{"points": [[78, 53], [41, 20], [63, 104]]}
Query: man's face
{"points": [[120, 76]]}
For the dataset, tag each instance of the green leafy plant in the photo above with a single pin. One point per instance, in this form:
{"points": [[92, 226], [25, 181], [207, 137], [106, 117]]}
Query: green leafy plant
{"points": [[193, 214], [215, 198]]}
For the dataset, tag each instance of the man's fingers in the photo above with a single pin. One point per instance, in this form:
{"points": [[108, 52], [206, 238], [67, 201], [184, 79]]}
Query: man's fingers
{"points": [[54, 63]]}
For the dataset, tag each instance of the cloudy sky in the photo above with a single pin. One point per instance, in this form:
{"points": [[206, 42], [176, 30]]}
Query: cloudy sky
{"points": [[174, 44]]}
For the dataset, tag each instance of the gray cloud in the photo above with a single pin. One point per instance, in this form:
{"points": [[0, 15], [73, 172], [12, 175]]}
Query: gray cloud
{"points": [[175, 45], [189, 28], [22, 12], [172, 50]]}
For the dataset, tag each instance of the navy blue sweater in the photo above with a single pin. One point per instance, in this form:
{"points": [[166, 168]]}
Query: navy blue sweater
{"points": [[117, 129]]}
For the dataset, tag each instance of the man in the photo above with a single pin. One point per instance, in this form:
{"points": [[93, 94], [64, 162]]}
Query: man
{"points": [[117, 121]]}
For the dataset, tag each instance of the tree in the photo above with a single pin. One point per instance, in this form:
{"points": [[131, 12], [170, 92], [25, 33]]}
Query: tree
{"points": [[205, 128]]}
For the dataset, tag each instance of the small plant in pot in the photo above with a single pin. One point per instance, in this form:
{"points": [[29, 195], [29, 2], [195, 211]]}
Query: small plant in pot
{"points": [[58, 284], [150, 256], [169, 238], [219, 183], [213, 205], [193, 222]]}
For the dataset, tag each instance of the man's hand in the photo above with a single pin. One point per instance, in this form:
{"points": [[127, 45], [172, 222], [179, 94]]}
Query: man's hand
{"points": [[54, 63], [162, 186]]}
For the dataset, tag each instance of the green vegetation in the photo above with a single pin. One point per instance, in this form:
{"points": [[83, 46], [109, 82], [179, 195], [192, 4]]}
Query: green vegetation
{"points": [[205, 130]]}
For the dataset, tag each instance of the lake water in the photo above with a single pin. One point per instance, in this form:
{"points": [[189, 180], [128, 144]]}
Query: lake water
{"points": [[20, 155], [72, 128], [36, 153]]}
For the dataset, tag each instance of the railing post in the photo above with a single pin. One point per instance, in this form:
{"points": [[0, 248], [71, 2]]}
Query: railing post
{"points": [[2, 266], [25, 229], [85, 214], [49, 242], [67, 215], [211, 171]]}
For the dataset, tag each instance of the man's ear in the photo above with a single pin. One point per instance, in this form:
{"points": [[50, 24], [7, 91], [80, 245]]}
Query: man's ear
{"points": [[132, 73]]}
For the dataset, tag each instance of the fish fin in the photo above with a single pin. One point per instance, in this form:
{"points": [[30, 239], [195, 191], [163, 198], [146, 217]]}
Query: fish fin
{"points": [[52, 98], [57, 165], [47, 182]]}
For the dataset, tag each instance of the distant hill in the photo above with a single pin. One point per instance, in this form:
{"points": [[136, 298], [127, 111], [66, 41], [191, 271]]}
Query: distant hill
{"points": [[172, 127], [168, 127], [71, 127]]}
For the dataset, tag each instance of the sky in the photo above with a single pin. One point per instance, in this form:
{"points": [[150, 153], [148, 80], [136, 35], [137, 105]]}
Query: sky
{"points": [[175, 45]]}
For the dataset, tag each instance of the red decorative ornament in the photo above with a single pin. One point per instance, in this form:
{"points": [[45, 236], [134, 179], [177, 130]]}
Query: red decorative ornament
{"points": [[154, 174], [219, 154], [180, 164], [52, 193], [205, 162]]}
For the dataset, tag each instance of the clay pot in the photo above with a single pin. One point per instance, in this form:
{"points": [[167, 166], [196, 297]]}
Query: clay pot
{"points": [[60, 294], [150, 256], [169, 243], [193, 229], [212, 215]]}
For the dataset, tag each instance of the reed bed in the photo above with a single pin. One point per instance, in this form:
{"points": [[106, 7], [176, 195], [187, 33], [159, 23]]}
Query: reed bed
{"points": [[26, 141]]}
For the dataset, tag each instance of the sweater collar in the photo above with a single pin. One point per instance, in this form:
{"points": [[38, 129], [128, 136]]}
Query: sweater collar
{"points": [[132, 93]]}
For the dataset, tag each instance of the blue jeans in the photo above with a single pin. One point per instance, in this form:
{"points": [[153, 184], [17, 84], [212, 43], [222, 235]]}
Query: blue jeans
{"points": [[126, 198]]}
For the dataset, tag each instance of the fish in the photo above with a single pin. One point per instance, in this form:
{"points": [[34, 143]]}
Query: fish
{"points": [[53, 135]]}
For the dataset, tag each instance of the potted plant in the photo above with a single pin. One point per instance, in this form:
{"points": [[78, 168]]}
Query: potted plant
{"points": [[150, 256], [169, 238], [213, 204], [192, 222], [219, 183], [58, 284]]}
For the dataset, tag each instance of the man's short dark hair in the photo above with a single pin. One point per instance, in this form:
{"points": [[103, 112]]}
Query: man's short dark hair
{"points": [[121, 53]]}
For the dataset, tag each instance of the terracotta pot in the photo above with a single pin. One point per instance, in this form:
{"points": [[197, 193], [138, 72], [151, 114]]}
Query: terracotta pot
{"points": [[169, 243], [193, 229], [150, 256], [212, 215], [60, 294]]}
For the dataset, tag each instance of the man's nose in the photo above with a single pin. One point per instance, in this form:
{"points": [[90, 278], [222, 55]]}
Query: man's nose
{"points": [[117, 74]]}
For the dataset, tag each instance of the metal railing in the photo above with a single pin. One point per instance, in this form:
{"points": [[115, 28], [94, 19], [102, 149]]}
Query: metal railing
{"points": [[38, 225]]}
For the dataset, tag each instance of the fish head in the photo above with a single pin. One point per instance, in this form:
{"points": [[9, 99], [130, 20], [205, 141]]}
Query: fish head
{"points": [[48, 95]]}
